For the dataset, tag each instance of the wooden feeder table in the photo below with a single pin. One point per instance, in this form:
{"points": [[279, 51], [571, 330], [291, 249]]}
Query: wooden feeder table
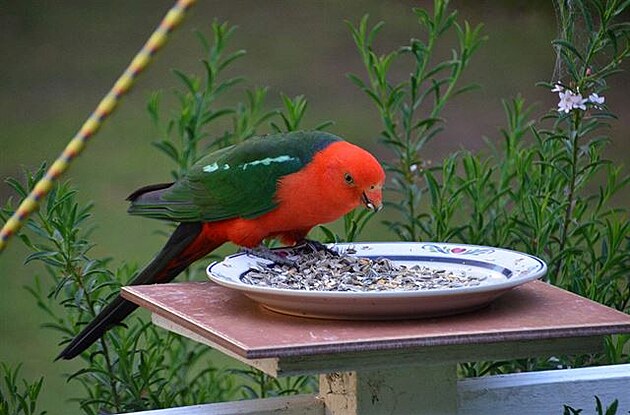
{"points": [[393, 367]]}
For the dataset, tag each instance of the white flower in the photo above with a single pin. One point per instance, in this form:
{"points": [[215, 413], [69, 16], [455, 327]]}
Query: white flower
{"points": [[578, 101], [570, 101], [596, 100], [557, 88], [566, 102]]}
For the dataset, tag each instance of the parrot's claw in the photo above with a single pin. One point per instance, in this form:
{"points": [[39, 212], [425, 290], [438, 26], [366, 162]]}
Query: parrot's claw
{"points": [[317, 246], [266, 253], [307, 246]]}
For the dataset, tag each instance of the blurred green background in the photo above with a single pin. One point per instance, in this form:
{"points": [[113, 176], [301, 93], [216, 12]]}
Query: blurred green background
{"points": [[59, 58]]}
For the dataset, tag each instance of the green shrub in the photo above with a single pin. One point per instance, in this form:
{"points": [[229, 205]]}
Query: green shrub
{"points": [[17, 395], [544, 188]]}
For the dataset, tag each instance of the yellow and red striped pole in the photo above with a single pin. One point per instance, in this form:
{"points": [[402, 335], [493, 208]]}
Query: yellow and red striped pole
{"points": [[107, 105]]}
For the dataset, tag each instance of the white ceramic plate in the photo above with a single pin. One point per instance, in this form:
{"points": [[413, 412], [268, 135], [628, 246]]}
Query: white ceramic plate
{"points": [[503, 268]]}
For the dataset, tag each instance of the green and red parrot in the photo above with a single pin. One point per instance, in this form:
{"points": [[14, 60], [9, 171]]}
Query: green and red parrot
{"points": [[277, 186]]}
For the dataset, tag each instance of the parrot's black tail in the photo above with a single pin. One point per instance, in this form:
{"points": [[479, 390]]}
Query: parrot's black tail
{"points": [[185, 246], [113, 314]]}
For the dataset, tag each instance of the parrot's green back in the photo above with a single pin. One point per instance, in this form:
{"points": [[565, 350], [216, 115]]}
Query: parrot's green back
{"points": [[237, 181]]}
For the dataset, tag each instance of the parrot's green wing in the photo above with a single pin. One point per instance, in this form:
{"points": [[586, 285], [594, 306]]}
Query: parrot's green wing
{"points": [[237, 181]]}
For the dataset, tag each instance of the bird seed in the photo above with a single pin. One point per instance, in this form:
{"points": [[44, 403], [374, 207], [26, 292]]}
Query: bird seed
{"points": [[324, 270]]}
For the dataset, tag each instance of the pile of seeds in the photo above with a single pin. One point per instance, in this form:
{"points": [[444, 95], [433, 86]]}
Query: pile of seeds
{"points": [[325, 271]]}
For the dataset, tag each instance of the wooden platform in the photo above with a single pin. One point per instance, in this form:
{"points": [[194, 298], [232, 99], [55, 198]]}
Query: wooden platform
{"points": [[534, 311], [373, 367]]}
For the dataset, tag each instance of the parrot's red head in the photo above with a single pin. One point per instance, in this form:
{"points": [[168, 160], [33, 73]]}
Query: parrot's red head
{"points": [[339, 178], [355, 175]]}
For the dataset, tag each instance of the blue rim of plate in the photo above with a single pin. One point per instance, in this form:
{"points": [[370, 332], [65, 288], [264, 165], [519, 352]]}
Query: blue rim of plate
{"points": [[449, 253]]}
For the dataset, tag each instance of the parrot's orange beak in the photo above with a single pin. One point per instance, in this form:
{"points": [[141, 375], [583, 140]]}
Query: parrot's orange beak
{"points": [[373, 199]]}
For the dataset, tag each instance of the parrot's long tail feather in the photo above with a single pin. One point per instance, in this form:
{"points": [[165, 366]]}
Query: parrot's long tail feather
{"points": [[186, 245], [114, 313]]}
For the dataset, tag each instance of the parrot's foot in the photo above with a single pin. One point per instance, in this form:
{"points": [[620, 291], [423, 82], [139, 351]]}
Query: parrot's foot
{"points": [[266, 253], [317, 246]]}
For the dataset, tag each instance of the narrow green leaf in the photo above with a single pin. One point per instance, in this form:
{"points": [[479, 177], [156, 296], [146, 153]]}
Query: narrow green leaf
{"points": [[567, 46], [231, 58], [324, 125], [191, 84]]}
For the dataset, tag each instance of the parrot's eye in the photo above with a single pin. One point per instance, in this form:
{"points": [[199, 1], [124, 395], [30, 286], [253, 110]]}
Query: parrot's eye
{"points": [[348, 178]]}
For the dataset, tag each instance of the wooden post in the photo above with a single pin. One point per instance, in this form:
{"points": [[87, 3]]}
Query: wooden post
{"points": [[417, 390]]}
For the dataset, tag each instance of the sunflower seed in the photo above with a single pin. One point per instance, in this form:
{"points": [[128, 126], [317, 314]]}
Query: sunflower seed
{"points": [[324, 271]]}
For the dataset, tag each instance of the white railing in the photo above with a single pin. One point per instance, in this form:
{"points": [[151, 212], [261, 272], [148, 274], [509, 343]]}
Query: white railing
{"points": [[536, 393]]}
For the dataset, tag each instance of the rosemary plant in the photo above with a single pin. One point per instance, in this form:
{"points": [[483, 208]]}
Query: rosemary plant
{"points": [[18, 396], [410, 110], [545, 188], [599, 408]]}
